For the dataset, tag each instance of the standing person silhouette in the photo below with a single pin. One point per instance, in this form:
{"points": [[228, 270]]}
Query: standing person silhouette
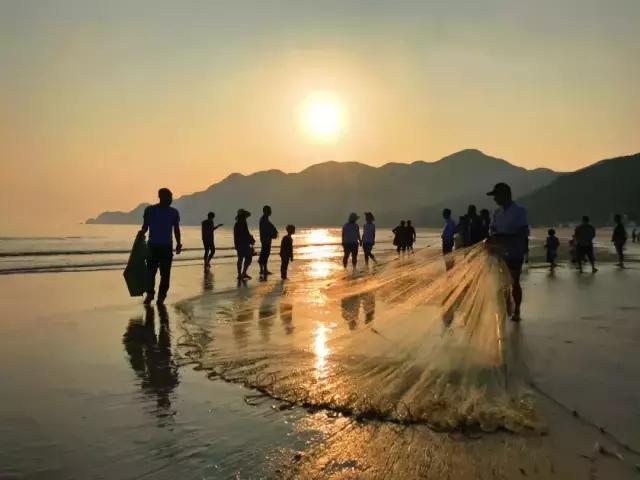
{"points": [[584, 235], [485, 221], [243, 242], [448, 232], [509, 231], [162, 221], [411, 236], [268, 233], [400, 237], [473, 227], [208, 241], [286, 251], [369, 237], [350, 240], [619, 238], [551, 246]]}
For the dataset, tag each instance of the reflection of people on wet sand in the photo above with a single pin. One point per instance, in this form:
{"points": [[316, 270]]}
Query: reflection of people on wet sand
{"points": [[351, 308], [243, 242], [584, 234], [151, 359], [619, 238], [286, 317], [509, 229], [368, 237], [350, 240], [208, 242], [162, 221]]}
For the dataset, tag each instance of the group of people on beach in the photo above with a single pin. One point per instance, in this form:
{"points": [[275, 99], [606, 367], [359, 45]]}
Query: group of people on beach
{"points": [[505, 234]]}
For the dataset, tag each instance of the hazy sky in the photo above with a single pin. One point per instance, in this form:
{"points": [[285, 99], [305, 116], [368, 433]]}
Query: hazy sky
{"points": [[102, 102]]}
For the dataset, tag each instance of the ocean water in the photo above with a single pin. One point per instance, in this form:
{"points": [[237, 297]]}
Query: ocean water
{"points": [[106, 247]]}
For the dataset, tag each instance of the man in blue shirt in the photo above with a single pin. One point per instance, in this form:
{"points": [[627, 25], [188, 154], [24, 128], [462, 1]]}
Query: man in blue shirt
{"points": [[162, 222], [448, 232], [509, 237]]}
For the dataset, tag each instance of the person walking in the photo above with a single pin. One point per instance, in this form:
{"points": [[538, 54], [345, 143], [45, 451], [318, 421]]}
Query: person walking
{"points": [[509, 231], [619, 238], [351, 240], [411, 236], [268, 233], [369, 237], [243, 242], [584, 234], [208, 241], [162, 221], [400, 237], [551, 246]]}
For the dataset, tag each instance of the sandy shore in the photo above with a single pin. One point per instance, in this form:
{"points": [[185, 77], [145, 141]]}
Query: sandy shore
{"points": [[89, 392]]}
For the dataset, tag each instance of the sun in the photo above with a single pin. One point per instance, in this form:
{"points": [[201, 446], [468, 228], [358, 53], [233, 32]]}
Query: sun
{"points": [[322, 116]]}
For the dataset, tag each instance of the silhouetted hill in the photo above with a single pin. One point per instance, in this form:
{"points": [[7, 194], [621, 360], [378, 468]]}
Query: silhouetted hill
{"points": [[600, 190], [325, 193]]}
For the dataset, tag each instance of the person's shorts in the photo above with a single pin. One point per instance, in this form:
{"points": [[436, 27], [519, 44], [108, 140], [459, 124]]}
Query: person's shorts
{"points": [[351, 248], [583, 251], [447, 246], [209, 246], [551, 257]]}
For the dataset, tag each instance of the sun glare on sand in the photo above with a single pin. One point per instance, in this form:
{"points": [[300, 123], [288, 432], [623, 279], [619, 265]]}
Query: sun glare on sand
{"points": [[323, 116]]}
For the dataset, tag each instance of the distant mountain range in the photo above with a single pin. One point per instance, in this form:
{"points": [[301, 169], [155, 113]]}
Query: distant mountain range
{"points": [[325, 193]]}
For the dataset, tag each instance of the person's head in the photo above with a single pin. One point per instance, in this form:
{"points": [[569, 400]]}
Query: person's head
{"points": [[551, 232], [242, 214], [211, 215], [408, 223], [165, 196], [617, 218], [471, 211], [353, 217], [368, 216], [291, 229], [402, 223], [585, 219], [501, 194], [266, 210], [446, 213], [484, 213]]}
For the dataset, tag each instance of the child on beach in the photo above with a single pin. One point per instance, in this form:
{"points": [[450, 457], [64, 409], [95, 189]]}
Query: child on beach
{"points": [[551, 246], [286, 251]]}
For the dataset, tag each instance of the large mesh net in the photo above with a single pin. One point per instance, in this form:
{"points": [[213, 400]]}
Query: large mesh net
{"points": [[416, 340]]}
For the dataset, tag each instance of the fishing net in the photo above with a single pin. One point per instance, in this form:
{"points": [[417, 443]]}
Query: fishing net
{"points": [[418, 340]]}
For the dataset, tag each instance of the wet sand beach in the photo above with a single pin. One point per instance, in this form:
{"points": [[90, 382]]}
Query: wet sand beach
{"points": [[96, 386]]}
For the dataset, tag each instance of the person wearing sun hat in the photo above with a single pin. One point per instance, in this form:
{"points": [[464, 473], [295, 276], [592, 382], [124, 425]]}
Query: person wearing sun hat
{"points": [[509, 234], [243, 242], [351, 240]]}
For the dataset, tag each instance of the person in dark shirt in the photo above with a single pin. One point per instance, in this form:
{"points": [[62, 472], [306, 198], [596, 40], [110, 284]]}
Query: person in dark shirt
{"points": [[411, 235], [243, 242], [400, 237], [551, 246], [286, 251], [208, 242], [619, 238], [584, 235], [162, 222], [485, 221], [268, 233], [473, 227]]}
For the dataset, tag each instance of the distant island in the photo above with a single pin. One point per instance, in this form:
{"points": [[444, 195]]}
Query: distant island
{"points": [[325, 193]]}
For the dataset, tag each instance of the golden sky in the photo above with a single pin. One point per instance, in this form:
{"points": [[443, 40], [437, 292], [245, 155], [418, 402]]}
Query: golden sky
{"points": [[102, 102]]}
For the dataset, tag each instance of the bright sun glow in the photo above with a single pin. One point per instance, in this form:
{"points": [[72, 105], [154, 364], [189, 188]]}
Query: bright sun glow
{"points": [[323, 116]]}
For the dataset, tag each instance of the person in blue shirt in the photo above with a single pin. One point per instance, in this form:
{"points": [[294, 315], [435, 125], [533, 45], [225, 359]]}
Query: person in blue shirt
{"points": [[509, 234], [162, 221], [448, 232]]}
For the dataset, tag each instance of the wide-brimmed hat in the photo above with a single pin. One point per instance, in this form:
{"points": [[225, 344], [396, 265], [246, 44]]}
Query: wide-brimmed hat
{"points": [[242, 213], [353, 217]]}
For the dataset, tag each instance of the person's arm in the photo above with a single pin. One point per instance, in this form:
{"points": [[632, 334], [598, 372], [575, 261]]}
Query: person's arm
{"points": [[415, 236], [217, 226], [343, 235], [145, 222], [374, 234], [176, 232], [359, 237], [291, 249]]}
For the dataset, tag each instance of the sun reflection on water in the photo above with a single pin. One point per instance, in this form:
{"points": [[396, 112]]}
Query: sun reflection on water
{"points": [[321, 350]]}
